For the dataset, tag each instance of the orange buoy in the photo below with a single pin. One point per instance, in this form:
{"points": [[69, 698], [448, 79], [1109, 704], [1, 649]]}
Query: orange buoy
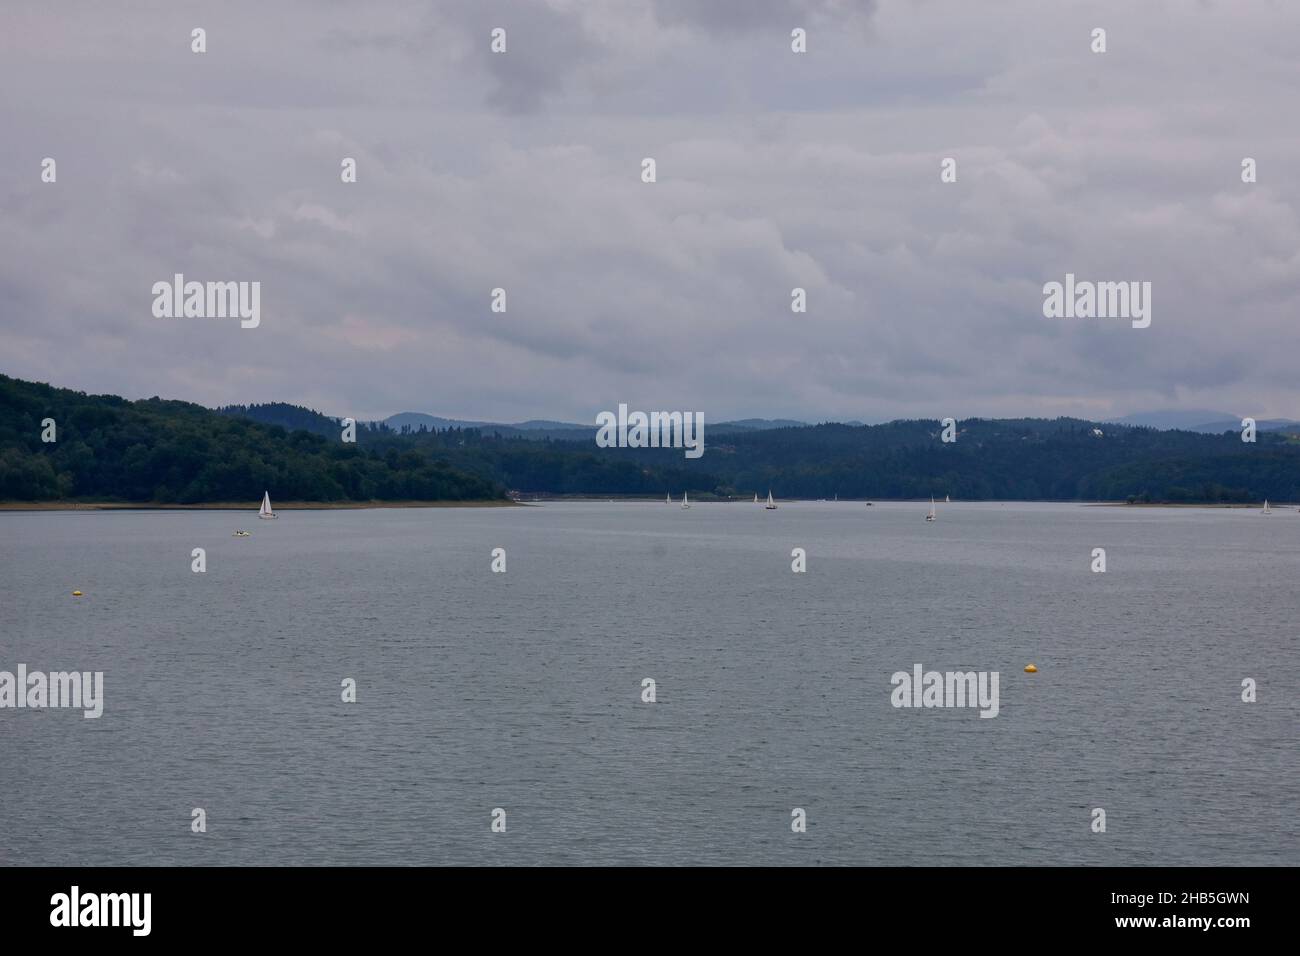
{"points": [[1031, 669]]}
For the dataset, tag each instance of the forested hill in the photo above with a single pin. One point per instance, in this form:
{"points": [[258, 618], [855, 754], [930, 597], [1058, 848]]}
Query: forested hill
{"points": [[289, 417], [167, 451], [1064, 458], [1007, 459], [1010, 459], [111, 449]]}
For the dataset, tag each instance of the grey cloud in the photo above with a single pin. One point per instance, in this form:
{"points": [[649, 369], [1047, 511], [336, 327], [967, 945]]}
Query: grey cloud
{"points": [[730, 16], [548, 45], [774, 171]]}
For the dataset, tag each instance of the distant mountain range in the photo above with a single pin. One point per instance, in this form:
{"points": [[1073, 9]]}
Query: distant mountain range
{"points": [[562, 431], [1196, 421], [1202, 421]]}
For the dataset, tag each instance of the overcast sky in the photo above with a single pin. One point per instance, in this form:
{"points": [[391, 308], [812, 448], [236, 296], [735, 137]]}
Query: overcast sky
{"points": [[775, 170]]}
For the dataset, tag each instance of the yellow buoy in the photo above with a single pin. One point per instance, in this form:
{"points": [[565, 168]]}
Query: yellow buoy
{"points": [[76, 594], [1031, 669]]}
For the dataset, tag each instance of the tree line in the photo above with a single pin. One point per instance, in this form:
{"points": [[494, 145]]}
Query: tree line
{"points": [[155, 450]]}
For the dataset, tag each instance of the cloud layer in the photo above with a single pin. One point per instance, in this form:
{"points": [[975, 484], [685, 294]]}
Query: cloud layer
{"points": [[775, 170]]}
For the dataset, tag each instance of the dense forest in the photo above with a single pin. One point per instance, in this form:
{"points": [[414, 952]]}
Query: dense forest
{"points": [[110, 449], [166, 451]]}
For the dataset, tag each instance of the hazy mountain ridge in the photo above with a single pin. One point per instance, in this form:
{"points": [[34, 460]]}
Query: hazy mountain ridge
{"points": [[563, 431], [1202, 421]]}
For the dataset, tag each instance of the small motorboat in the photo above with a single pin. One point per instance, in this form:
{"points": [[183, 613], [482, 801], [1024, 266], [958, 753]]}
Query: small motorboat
{"points": [[241, 534]]}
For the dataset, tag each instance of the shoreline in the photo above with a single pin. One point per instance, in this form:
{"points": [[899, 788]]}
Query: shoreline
{"points": [[494, 503], [1182, 504], [240, 506]]}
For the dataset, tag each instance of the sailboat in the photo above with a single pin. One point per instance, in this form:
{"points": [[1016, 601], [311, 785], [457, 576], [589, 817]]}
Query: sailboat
{"points": [[265, 511], [756, 497], [771, 505], [947, 500], [930, 516], [669, 500], [686, 503], [1267, 510]]}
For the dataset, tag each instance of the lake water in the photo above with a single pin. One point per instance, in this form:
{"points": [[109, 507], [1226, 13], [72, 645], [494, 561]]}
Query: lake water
{"points": [[523, 690]]}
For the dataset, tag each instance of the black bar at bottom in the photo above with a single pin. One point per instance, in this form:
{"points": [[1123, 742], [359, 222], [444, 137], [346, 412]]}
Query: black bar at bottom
{"points": [[335, 905]]}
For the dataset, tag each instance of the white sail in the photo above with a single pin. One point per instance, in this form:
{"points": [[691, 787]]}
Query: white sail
{"points": [[947, 500], [756, 497], [669, 499], [686, 501], [1267, 510], [265, 511], [930, 516]]}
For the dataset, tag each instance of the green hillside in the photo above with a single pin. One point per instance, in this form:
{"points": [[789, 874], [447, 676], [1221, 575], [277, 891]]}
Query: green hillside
{"points": [[158, 451]]}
